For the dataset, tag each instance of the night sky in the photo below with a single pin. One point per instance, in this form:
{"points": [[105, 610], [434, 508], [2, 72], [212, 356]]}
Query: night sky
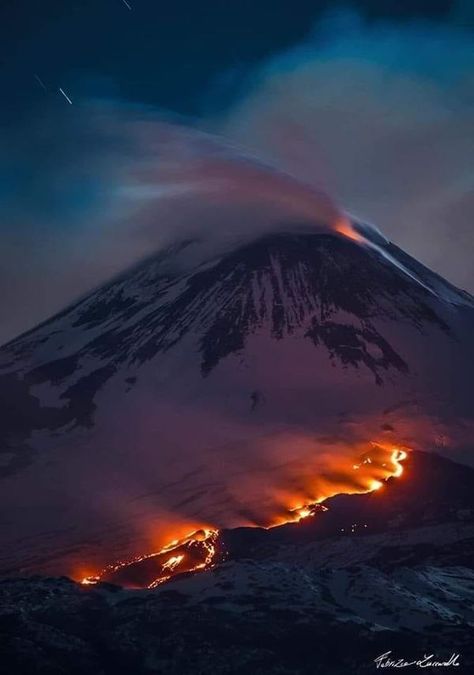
{"points": [[189, 57], [384, 80]]}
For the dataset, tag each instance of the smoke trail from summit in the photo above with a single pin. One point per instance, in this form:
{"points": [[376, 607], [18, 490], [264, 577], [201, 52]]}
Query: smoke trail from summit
{"points": [[385, 109], [122, 182], [190, 165]]}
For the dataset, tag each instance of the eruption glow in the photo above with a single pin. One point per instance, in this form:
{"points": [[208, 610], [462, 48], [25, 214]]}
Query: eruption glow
{"points": [[197, 550], [344, 227]]}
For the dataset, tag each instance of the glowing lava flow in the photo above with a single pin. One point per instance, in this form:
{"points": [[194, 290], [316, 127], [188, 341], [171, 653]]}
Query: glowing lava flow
{"points": [[197, 550], [394, 470], [193, 552], [344, 227], [398, 455]]}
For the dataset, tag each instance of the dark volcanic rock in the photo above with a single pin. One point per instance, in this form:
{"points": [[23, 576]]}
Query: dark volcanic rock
{"points": [[301, 601]]}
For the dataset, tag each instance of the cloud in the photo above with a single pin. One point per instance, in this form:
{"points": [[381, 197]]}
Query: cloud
{"points": [[384, 112], [87, 194]]}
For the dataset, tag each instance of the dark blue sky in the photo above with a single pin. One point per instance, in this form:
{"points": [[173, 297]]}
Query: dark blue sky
{"points": [[183, 55]]}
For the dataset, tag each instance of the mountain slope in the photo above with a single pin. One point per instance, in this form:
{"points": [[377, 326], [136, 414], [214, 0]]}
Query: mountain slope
{"points": [[160, 400]]}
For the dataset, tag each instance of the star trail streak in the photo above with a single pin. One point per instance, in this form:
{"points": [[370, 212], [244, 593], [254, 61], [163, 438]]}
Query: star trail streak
{"points": [[61, 91]]}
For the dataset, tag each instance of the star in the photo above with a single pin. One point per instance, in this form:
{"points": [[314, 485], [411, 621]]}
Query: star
{"points": [[61, 91], [40, 82]]}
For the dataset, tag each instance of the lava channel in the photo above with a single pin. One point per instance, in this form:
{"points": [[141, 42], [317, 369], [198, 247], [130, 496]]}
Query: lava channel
{"points": [[199, 549]]}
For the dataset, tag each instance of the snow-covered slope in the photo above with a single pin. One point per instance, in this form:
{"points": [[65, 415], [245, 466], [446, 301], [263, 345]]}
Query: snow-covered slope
{"points": [[197, 390]]}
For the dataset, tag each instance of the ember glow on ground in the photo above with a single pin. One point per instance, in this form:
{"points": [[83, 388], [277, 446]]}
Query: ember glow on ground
{"points": [[197, 550]]}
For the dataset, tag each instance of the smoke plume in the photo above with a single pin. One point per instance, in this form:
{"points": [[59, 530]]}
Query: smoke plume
{"points": [[379, 116]]}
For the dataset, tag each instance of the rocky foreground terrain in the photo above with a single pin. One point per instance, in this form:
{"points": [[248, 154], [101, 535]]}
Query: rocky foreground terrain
{"points": [[389, 575]]}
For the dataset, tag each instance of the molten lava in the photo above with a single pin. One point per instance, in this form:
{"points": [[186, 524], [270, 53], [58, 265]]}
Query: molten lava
{"points": [[193, 552], [198, 550], [345, 227]]}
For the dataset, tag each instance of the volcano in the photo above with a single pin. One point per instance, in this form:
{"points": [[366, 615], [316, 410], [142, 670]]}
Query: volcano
{"points": [[205, 389]]}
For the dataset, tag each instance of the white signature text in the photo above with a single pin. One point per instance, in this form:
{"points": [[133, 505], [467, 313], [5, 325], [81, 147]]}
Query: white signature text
{"points": [[386, 660]]}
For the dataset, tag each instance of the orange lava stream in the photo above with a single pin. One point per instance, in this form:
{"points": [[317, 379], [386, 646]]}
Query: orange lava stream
{"points": [[173, 563], [180, 548], [344, 227]]}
